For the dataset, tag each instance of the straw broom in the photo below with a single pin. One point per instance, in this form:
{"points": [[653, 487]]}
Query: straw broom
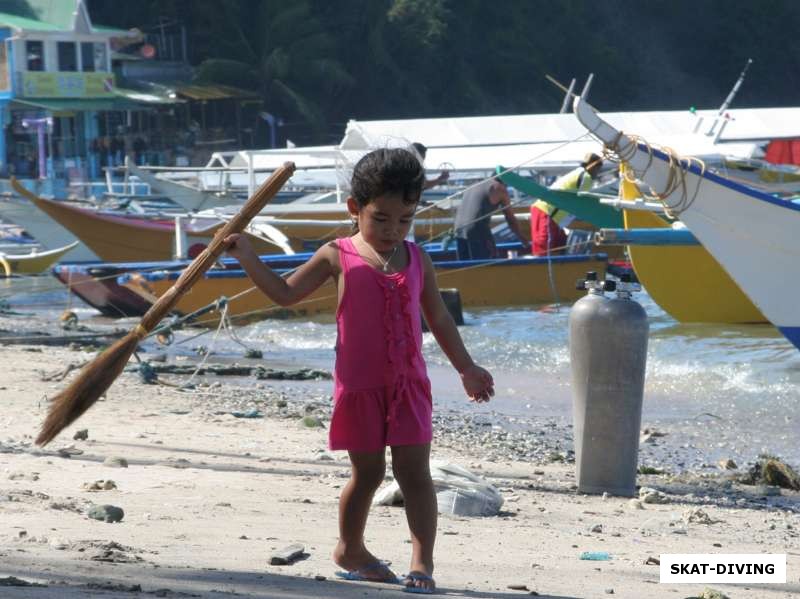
{"points": [[97, 376]]}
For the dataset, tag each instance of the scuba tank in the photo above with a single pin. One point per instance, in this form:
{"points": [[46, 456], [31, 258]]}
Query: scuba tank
{"points": [[608, 353]]}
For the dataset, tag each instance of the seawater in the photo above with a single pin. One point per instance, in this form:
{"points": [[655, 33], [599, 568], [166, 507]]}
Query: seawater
{"points": [[721, 391]]}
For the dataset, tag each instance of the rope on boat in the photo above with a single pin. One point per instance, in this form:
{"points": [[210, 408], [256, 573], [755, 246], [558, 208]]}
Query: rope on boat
{"points": [[677, 166]]}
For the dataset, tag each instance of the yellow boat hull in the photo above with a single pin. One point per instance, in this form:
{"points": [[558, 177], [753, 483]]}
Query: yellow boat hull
{"points": [[520, 282], [686, 281], [33, 263]]}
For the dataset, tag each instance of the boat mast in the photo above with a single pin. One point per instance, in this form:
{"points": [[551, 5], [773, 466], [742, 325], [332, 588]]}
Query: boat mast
{"points": [[726, 104]]}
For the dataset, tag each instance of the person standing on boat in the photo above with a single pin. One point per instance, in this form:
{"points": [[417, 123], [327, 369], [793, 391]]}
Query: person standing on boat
{"points": [[422, 150], [474, 239], [547, 221]]}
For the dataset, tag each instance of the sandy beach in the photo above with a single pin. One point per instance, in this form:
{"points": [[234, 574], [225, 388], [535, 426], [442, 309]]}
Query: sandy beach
{"points": [[209, 495]]}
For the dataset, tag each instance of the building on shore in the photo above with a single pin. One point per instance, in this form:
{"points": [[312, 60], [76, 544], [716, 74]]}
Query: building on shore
{"points": [[76, 98]]}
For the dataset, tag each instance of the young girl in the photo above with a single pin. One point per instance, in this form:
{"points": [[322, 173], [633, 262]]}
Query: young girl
{"points": [[382, 395]]}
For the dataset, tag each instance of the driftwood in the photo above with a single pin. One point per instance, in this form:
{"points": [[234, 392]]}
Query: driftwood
{"points": [[261, 373], [287, 555], [46, 339]]}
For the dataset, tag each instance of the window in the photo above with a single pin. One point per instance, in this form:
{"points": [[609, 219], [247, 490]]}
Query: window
{"points": [[67, 56], [93, 56], [100, 62], [34, 51], [87, 56]]}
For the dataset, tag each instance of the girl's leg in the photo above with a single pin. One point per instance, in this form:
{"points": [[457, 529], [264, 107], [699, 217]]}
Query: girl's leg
{"points": [[410, 464], [354, 503]]}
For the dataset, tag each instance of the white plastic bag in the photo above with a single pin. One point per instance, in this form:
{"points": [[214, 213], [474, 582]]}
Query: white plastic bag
{"points": [[458, 492]]}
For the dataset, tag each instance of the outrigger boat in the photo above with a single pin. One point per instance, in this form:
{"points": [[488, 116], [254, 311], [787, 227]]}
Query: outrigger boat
{"points": [[32, 263], [679, 274], [751, 234], [498, 282], [127, 239]]}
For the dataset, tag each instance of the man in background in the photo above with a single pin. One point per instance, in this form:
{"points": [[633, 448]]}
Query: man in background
{"points": [[547, 221], [474, 237]]}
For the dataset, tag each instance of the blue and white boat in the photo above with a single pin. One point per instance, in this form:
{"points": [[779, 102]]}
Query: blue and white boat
{"points": [[753, 235]]}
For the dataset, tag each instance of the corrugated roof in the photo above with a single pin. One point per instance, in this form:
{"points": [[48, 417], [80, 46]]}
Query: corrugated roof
{"points": [[77, 104], [147, 97], [214, 92]]}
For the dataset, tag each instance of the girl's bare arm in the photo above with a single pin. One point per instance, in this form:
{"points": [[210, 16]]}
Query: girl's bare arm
{"points": [[477, 382], [284, 292]]}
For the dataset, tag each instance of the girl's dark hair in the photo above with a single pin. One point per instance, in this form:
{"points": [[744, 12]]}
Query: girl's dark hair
{"points": [[388, 170]]}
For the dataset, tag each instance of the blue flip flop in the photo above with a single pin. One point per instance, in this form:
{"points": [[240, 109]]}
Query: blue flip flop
{"points": [[358, 574], [413, 577]]}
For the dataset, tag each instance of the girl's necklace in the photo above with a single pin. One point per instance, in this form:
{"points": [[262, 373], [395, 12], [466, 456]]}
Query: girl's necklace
{"points": [[384, 263]]}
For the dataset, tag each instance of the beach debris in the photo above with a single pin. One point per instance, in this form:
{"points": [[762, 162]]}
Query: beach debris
{"points": [[114, 586], [652, 561], [147, 374], [595, 556], [107, 551], [312, 422], [710, 594], [259, 372], [650, 435], [728, 464], [288, 555], [459, 492], [69, 451], [301, 374], [78, 341], [649, 495], [609, 591], [650, 470], [100, 485], [81, 435], [697, 515], [31, 476], [13, 581], [106, 513], [58, 543], [69, 320], [254, 413], [60, 375], [115, 462], [772, 471], [179, 463], [518, 587], [598, 528]]}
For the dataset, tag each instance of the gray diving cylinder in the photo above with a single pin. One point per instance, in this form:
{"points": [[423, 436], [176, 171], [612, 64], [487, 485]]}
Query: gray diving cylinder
{"points": [[608, 353]]}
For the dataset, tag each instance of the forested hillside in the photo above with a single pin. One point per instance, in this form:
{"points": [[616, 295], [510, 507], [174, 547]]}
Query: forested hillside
{"points": [[321, 62]]}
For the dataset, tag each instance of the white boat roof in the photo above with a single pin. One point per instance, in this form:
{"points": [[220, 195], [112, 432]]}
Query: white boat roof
{"points": [[743, 124], [541, 141]]}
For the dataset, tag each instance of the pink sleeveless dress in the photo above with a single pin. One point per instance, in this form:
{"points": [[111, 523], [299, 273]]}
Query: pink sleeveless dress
{"points": [[382, 395]]}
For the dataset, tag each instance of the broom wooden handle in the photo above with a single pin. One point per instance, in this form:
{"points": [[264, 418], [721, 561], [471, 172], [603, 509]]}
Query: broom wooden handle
{"points": [[209, 255]]}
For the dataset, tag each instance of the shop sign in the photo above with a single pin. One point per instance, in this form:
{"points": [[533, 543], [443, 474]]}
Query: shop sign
{"points": [[67, 85]]}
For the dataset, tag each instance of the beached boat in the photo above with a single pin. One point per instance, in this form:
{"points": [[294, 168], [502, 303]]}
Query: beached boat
{"points": [[34, 262], [751, 234], [96, 282], [48, 233], [682, 277], [128, 239], [506, 282]]}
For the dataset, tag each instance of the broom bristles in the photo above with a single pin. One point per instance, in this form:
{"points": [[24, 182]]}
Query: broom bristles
{"points": [[90, 384]]}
